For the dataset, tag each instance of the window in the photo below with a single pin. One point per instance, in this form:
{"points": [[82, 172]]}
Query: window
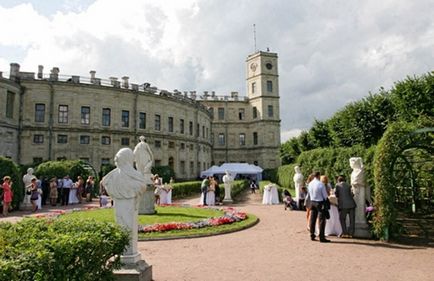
{"points": [[181, 126], [171, 144], [242, 139], [270, 111], [105, 161], [190, 128], [170, 124], [84, 139], [106, 116], [125, 141], [38, 138], [253, 87], [203, 131], [62, 138], [125, 118], [157, 144], [241, 113], [191, 167], [221, 139], [40, 112], [206, 133], [191, 147], [197, 130], [182, 145], [269, 86], [182, 167], [37, 160], [85, 159], [10, 100], [105, 140], [157, 126], [85, 115], [212, 138], [221, 113], [142, 120], [211, 111], [255, 112], [63, 114], [255, 138], [157, 162]]}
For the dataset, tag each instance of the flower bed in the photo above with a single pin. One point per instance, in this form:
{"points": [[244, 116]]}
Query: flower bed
{"points": [[231, 215]]}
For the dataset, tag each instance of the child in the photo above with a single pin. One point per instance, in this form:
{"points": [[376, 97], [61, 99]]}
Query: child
{"points": [[288, 201], [103, 200], [302, 198]]}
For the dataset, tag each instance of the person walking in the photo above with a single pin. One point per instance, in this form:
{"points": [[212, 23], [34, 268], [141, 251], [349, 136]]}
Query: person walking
{"points": [[346, 206], [318, 196], [7, 194]]}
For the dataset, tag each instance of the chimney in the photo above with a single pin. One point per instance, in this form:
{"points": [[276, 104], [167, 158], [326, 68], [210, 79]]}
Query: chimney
{"points": [[125, 82], [15, 69], [92, 76], [54, 75], [40, 71]]}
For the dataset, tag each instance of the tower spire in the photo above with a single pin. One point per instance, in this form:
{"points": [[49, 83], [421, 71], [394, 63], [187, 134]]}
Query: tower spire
{"points": [[254, 36]]}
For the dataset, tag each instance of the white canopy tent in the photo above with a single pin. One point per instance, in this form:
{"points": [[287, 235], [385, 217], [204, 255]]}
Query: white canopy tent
{"points": [[235, 169]]}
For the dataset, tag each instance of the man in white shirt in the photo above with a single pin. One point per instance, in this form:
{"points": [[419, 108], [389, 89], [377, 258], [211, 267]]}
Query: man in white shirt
{"points": [[318, 195]]}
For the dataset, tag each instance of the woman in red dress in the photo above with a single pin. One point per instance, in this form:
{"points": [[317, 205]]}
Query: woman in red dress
{"points": [[7, 194]]}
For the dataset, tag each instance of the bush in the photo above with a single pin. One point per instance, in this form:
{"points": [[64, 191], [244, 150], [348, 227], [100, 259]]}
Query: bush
{"points": [[37, 249], [164, 172], [185, 189], [59, 169], [9, 168]]}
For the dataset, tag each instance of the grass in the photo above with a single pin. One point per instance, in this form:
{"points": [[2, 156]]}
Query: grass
{"points": [[170, 214]]}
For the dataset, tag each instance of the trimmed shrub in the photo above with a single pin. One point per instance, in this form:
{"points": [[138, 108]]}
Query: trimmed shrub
{"points": [[59, 169], [185, 189], [9, 168], [73, 249]]}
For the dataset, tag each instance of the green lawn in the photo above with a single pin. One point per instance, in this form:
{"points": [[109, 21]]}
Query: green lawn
{"points": [[170, 214]]}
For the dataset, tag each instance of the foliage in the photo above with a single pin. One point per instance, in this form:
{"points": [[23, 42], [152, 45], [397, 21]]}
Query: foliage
{"points": [[39, 249], [289, 151], [163, 171], [395, 140], [59, 169], [185, 189], [9, 168]]}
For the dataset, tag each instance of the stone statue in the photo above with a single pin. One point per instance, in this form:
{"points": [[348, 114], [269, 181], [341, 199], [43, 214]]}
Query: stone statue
{"points": [[298, 183], [227, 180], [358, 187], [27, 180], [125, 186], [144, 158]]}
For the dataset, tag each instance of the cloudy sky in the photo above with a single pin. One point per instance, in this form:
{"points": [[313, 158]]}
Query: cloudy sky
{"points": [[331, 52]]}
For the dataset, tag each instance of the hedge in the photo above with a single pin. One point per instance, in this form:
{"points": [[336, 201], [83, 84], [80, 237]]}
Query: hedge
{"points": [[59, 169], [185, 189], [73, 249], [9, 168]]}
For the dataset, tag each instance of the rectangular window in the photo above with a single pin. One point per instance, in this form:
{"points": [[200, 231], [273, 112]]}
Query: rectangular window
{"points": [[211, 111], [62, 138], [85, 115], [182, 146], [255, 112], [105, 140], [40, 112], [125, 141], [197, 130], [269, 86], [10, 100], [157, 126], [191, 167], [38, 139], [221, 139], [221, 113], [270, 111], [190, 128], [171, 144], [203, 131], [142, 120], [63, 114], [181, 126], [191, 147], [255, 138], [242, 139], [106, 112], [253, 87], [157, 144], [182, 167], [241, 113], [84, 139], [125, 118], [170, 124], [206, 133]]}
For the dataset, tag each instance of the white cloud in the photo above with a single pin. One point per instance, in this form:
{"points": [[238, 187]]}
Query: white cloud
{"points": [[286, 135]]}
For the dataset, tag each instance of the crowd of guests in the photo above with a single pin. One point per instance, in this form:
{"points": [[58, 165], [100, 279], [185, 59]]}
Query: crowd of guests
{"points": [[210, 192]]}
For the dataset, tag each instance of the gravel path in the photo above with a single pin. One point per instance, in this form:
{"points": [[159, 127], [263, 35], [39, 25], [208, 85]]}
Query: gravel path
{"points": [[279, 248]]}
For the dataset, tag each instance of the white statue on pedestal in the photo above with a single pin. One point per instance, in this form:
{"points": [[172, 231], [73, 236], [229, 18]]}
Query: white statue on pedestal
{"points": [[144, 158], [125, 185], [227, 180], [27, 180], [359, 189], [298, 183]]}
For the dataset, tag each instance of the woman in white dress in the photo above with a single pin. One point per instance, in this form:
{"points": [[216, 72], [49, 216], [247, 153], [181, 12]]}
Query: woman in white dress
{"points": [[210, 195], [333, 225]]}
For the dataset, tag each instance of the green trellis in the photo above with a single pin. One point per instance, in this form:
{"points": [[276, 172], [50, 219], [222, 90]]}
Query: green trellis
{"points": [[398, 138]]}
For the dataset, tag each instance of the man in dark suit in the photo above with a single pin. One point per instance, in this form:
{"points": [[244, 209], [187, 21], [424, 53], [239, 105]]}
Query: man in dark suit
{"points": [[346, 205], [318, 196]]}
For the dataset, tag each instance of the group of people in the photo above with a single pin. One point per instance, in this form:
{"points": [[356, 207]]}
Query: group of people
{"points": [[163, 192], [210, 192]]}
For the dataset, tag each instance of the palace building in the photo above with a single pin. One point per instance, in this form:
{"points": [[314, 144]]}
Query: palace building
{"points": [[53, 117]]}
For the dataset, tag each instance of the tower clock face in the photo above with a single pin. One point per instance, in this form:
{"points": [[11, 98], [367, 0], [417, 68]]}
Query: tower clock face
{"points": [[253, 67], [268, 65]]}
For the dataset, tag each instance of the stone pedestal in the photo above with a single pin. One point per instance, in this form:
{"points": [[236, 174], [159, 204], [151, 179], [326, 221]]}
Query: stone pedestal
{"points": [[361, 226], [26, 205], [362, 230], [228, 198], [147, 202], [140, 271]]}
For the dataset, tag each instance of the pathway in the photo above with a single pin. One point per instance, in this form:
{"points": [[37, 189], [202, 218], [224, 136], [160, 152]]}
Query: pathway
{"points": [[279, 248]]}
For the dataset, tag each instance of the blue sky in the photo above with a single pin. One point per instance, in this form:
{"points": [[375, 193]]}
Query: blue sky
{"points": [[331, 52]]}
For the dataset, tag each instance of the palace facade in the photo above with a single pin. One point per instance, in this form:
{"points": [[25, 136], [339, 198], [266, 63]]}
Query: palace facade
{"points": [[54, 117]]}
